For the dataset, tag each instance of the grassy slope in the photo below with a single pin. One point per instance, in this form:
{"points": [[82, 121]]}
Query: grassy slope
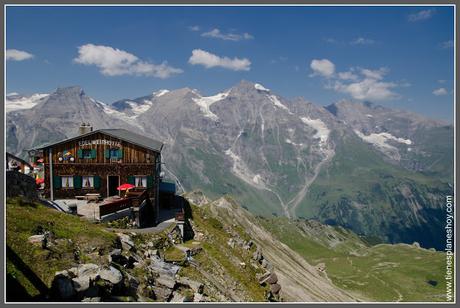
{"points": [[380, 273], [358, 174], [22, 221], [218, 254]]}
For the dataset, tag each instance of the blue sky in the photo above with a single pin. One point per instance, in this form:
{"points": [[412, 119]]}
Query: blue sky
{"points": [[396, 56]]}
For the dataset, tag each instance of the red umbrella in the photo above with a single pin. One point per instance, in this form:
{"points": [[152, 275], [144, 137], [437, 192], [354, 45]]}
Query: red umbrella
{"points": [[39, 181], [125, 186]]}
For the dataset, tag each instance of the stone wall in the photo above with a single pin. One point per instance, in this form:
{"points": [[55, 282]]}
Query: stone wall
{"points": [[19, 184]]}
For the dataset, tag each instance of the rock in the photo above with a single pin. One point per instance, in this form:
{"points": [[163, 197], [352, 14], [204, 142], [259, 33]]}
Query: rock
{"points": [[63, 287], [321, 267], [166, 281], [416, 245], [263, 277], [198, 297], [272, 279], [243, 265], [89, 270], [196, 286], [257, 256], [91, 299], [231, 243], [177, 298], [37, 239], [126, 241], [112, 275], [163, 294], [81, 284], [275, 288]]}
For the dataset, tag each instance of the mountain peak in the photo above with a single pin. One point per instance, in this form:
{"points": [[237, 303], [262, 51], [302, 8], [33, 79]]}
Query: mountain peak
{"points": [[71, 91]]}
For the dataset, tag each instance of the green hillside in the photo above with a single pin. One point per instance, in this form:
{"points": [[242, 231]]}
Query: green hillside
{"points": [[382, 272]]}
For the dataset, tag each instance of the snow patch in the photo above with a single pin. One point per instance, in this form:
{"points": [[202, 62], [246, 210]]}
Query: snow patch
{"points": [[23, 102], [289, 141], [139, 109], [380, 141], [206, 102], [277, 102], [369, 115], [240, 169], [260, 87], [322, 131], [110, 111], [160, 92]]}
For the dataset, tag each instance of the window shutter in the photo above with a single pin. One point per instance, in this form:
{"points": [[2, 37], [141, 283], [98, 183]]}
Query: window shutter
{"points": [[77, 181], [120, 153], [107, 153], [131, 180], [80, 153], [149, 181], [97, 182], [57, 181], [93, 153]]}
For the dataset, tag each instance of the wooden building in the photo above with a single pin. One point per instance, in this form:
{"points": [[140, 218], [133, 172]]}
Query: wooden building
{"points": [[98, 162], [17, 164]]}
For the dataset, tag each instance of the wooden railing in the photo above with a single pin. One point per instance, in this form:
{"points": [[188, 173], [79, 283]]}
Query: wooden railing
{"points": [[132, 199]]}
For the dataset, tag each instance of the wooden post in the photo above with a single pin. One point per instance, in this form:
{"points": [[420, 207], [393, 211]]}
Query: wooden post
{"points": [[51, 174]]}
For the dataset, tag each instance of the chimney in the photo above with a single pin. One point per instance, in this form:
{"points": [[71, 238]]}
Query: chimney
{"points": [[85, 128]]}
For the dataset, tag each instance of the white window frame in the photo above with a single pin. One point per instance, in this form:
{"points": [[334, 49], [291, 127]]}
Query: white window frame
{"points": [[91, 181], [71, 184], [143, 180]]}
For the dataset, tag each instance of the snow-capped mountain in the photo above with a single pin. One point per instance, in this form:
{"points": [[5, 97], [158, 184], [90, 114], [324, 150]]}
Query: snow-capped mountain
{"points": [[350, 164], [15, 102]]}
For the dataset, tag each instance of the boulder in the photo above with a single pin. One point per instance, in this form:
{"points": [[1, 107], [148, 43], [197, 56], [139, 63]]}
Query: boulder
{"points": [[257, 255], [272, 279], [91, 299], [196, 286], [63, 287], [198, 297], [112, 275], [275, 288], [126, 241], [177, 298], [166, 281], [37, 239]]}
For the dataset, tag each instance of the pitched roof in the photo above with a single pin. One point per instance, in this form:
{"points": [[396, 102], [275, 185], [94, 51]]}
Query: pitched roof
{"points": [[119, 133]]}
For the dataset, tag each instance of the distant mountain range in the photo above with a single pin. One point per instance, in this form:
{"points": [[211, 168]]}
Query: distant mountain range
{"points": [[383, 173]]}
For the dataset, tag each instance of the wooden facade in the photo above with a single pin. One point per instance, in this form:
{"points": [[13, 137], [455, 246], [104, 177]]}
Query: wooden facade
{"points": [[98, 162]]}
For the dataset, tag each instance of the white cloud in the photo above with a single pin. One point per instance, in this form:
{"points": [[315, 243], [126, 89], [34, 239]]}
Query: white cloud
{"points": [[421, 15], [374, 74], [447, 44], [209, 60], [347, 75], [194, 28], [116, 62], [367, 89], [362, 41], [440, 91], [322, 67], [18, 55], [216, 33], [359, 83]]}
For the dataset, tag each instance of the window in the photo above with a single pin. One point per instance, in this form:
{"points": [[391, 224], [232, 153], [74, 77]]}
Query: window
{"points": [[114, 154], [88, 182], [140, 181], [87, 153], [67, 181]]}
